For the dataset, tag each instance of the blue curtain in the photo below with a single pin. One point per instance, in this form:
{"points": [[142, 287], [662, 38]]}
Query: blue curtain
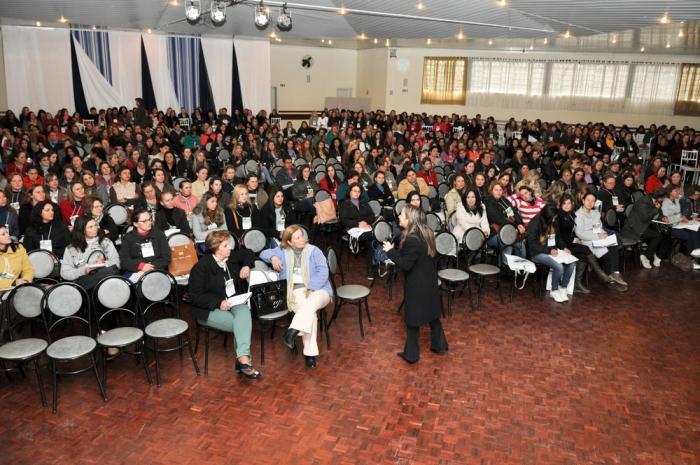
{"points": [[96, 46], [183, 60]]}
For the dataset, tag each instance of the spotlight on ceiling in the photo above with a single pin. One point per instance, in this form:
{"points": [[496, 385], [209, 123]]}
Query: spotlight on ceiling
{"points": [[193, 10], [284, 20], [262, 17], [218, 12]]}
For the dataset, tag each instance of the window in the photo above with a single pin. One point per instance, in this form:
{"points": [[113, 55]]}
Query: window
{"points": [[444, 81], [592, 80], [654, 82], [688, 101], [507, 77]]}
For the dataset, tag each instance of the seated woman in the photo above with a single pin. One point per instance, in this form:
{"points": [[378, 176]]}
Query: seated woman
{"points": [[588, 228], [169, 218], [124, 191], [413, 198], [565, 228], [500, 212], [673, 215], [544, 243], [355, 213], [656, 181], [303, 190], [216, 187], [90, 257], [54, 190], [470, 213], [241, 215], [149, 199], [276, 215], [8, 216], [46, 230], [16, 268], [308, 286], [208, 216], [72, 208], [95, 209], [330, 183], [144, 248], [526, 202], [381, 192], [212, 282], [639, 227]]}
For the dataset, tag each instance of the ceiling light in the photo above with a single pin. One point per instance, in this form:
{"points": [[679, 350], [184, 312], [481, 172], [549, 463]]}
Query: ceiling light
{"points": [[502, 2], [546, 41], [664, 19], [387, 43], [614, 39], [38, 24], [173, 2], [567, 34], [278, 39], [428, 41], [284, 20], [149, 30], [261, 17], [273, 35], [218, 12], [490, 42], [362, 36], [642, 49], [63, 20], [420, 6], [342, 11], [376, 41], [680, 33], [668, 44], [94, 28], [323, 41], [330, 42], [193, 10], [532, 47], [460, 36]]}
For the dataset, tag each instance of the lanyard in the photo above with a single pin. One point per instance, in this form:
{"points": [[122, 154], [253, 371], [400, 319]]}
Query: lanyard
{"points": [[48, 236], [76, 209]]}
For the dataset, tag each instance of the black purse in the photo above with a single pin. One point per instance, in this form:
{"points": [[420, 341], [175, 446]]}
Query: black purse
{"points": [[269, 297]]}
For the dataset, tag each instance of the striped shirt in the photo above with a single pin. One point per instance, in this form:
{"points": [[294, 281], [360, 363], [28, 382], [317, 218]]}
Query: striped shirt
{"points": [[528, 210]]}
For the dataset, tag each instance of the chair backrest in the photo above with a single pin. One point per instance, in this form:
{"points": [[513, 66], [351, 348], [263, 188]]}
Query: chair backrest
{"points": [[637, 195], [332, 259], [443, 189], [232, 241], [432, 192], [119, 213], [473, 239], [113, 292], [434, 222], [179, 239], [63, 302], [628, 210], [45, 263], [382, 231], [611, 218], [446, 244], [155, 286], [322, 195], [340, 173], [251, 166], [177, 182], [398, 206], [316, 162], [689, 158], [319, 176], [376, 207], [26, 300], [254, 240], [424, 203], [224, 156], [300, 162], [508, 234]]}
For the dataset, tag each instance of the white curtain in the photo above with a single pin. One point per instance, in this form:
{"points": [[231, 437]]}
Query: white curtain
{"points": [[254, 72], [218, 55], [99, 93], [125, 54], [38, 68], [157, 52]]}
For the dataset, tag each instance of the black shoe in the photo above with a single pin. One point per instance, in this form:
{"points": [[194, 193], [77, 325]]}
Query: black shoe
{"points": [[246, 370], [310, 362], [290, 338], [439, 352], [401, 354], [372, 273]]}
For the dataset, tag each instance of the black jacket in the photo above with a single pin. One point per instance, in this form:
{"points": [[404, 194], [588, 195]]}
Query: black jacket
{"points": [[110, 228], [174, 217], [386, 198], [421, 294], [268, 219], [130, 252], [535, 228], [234, 219], [639, 219], [350, 215], [207, 284], [496, 212], [56, 231]]}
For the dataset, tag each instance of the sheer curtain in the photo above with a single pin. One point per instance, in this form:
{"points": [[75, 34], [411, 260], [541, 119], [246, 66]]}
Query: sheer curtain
{"points": [[688, 100], [218, 54], [254, 72], [444, 80], [505, 83], [653, 88], [99, 93]]}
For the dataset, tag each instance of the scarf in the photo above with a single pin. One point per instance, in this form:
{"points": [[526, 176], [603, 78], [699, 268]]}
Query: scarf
{"points": [[289, 260]]}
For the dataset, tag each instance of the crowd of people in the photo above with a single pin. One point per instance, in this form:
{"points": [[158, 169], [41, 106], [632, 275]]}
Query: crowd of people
{"points": [[586, 190]]}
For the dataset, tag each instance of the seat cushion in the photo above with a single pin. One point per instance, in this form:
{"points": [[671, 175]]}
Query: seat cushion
{"points": [[274, 315], [71, 347], [352, 292], [167, 327], [629, 242], [23, 349], [484, 269], [120, 337], [453, 275]]}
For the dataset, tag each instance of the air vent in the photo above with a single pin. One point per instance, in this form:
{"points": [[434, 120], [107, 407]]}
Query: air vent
{"points": [[392, 53]]}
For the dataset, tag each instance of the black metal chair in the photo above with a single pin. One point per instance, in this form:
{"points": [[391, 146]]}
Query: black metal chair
{"points": [[382, 231], [349, 293], [473, 241], [453, 279], [46, 266]]}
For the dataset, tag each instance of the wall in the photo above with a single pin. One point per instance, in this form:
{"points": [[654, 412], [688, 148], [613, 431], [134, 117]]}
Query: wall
{"points": [[372, 75], [3, 84], [332, 69], [408, 66]]}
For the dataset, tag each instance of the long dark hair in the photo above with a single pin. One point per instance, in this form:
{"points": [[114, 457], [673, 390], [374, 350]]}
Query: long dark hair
{"points": [[77, 235], [12, 245], [478, 208], [35, 218]]}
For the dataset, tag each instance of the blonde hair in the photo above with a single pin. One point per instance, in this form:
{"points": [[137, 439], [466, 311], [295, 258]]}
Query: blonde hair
{"points": [[237, 191], [287, 235], [418, 226]]}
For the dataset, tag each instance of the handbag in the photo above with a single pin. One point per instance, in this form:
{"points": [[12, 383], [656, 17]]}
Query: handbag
{"points": [[325, 211], [182, 259], [269, 297]]}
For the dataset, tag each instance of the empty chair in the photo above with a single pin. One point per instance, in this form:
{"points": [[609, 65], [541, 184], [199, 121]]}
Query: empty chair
{"points": [[119, 213], [349, 293], [398, 206], [254, 240], [382, 231], [473, 241], [46, 266], [376, 207], [434, 222], [68, 303], [453, 279], [157, 290]]}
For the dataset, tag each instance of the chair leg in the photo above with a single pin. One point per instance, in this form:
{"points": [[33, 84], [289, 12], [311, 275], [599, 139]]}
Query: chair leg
{"points": [[359, 316], [196, 337], [469, 292], [103, 352], [336, 310], [40, 382], [498, 288], [262, 342], [144, 360], [54, 403], [206, 351], [369, 317], [192, 356], [324, 318], [157, 357], [103, 391], [179, 346]]}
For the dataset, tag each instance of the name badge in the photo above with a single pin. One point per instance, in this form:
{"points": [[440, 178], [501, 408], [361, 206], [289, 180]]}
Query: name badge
{"points": [[551, 240], [297, 276], [509, 211], [72, 219], [46, 245], [147, 250], [15, 205], [230, 288], [212, 227], [615, 201], [280, 225], [247, 223], [7, 275]]}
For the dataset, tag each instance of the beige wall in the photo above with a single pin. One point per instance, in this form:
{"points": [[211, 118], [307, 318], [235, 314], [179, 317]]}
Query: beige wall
{"points": [[3, 84], [372, 76], [332, 69]]}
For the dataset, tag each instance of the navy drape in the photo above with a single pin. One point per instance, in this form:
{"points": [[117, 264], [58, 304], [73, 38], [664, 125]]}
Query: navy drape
{"points": [[147, 93], [236, 95], [78, 93], [206, 96]]}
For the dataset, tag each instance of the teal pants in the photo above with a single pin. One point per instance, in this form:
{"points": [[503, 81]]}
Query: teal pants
{"points": [[236, 321]]}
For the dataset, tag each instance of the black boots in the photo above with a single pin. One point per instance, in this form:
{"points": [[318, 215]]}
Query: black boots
{"points": [[595, 266], [290, 338], [579, 288]]}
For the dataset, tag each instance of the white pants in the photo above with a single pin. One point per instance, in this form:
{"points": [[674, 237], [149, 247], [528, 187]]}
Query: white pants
{"points": [[305, 320]]}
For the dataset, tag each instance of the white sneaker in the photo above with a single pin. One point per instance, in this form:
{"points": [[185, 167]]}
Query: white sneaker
{"points": [[695, 253], [696, 266], [645, 262], [556, 295], [657, 261], [564, 294]]}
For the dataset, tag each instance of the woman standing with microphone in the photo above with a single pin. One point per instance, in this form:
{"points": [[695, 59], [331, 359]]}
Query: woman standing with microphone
{"points": [[416, 257]]}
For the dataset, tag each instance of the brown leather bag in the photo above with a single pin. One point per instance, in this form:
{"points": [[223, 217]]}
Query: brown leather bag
{"points": [[182, 259], [325, 211]]}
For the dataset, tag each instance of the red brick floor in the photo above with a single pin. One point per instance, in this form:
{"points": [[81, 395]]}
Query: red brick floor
{"points": [[606, 379]]}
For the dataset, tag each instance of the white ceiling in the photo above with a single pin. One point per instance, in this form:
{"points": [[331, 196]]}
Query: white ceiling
{"points": [[545, 18]]}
